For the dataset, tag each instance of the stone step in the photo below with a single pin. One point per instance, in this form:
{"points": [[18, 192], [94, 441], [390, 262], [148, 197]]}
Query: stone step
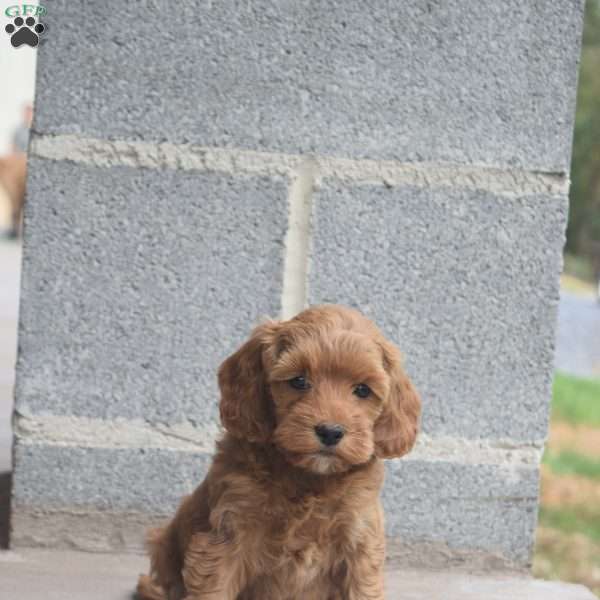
{"points": [[60, 575]]}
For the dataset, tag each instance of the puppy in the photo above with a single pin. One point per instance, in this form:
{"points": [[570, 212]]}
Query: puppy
{"points": [[290, 508]]}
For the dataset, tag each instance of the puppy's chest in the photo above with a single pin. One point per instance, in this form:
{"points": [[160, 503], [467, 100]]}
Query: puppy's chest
{"points": [[301, 542], [306, 544], [308, 528]]}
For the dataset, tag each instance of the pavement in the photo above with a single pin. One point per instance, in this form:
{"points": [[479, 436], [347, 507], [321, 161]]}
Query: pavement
{"points": [[578, 335], [59, 575]]}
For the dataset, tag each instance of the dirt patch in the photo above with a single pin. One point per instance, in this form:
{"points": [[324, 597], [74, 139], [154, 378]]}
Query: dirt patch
{"points": [[568, 557], [561, 491], [578, 438]]}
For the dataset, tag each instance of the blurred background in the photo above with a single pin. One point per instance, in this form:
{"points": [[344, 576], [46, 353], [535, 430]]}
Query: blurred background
{"points": [[16, 101], [568, 539]]}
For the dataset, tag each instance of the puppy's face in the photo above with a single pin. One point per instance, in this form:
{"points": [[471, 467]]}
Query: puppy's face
{"points": [[325, 387], [328, 389]]}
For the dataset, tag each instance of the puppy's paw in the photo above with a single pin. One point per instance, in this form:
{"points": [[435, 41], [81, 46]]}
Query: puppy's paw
{"points": [[148, 590]]}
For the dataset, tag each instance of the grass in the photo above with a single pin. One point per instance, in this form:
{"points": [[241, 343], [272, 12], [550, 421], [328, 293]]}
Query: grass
{"points": [[579, 267], [572, 463], [567, 557], [568, 535], [568, 520], [576, 400]]}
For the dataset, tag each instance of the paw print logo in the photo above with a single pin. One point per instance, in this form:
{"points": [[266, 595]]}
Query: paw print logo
{"points": [[24, 32]]}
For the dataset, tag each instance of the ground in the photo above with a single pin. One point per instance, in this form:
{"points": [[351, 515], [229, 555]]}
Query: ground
{"points": [[568, 536], [55, 575]]}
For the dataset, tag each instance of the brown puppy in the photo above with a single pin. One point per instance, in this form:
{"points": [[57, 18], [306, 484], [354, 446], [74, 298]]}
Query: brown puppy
{"points": [[290, 509]]}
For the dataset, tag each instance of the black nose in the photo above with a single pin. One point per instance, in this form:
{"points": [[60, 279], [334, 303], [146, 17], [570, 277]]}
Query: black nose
{"points": [[330, 435]]}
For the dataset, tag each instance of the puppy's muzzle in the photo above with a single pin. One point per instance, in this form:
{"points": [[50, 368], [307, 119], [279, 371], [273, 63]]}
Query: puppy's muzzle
{"points": [[329, 435]]}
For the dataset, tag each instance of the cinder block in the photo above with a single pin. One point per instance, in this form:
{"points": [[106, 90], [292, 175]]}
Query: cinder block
{"points": [[486, 509], [144, 480], [137, 283], [458, 81], [481, 509], [465, 282]]}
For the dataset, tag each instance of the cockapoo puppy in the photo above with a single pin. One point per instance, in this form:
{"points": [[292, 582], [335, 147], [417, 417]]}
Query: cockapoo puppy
{"points": [[290, 508]]}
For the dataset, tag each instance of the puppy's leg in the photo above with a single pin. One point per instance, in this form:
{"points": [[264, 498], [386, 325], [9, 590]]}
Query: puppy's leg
{"points": [[364, 576], [213, 568], [165, 582]]}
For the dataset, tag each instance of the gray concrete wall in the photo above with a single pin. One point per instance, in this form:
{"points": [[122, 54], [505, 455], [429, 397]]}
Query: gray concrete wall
{"points": [[197, 167]]}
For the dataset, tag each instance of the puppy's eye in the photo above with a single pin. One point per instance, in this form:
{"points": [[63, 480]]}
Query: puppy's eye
{"points": [[362, 390], [299, 383]]}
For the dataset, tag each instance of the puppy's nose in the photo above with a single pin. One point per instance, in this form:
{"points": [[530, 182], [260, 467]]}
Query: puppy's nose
{"points": [[330, 435]]}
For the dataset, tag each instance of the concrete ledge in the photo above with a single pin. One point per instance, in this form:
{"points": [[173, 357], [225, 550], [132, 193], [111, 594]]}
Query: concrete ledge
{"points": [[54, 575], [81, 530], [108, 532]]}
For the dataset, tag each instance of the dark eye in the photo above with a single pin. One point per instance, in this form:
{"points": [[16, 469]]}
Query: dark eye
{"points": [[362, 390], [299, 383]]}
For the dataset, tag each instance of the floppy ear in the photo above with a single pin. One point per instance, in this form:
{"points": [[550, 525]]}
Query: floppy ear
{"points": [[246, 407], [396, 427]]}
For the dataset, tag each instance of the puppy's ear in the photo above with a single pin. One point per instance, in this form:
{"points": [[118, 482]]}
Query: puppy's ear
{"points": [[396, 427], [246, 408]]}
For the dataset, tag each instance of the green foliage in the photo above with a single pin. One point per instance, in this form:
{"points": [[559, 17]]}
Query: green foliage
{"points": [[572, 463], [579, 267], [576, 400], [583, 520], [584, 212]]}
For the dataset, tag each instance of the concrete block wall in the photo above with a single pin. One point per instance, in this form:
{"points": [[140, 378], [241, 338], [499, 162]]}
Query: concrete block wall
{"points": [[197, 166]]}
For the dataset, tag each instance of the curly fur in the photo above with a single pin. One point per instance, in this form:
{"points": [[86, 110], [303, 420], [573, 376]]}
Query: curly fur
{"points": [[279, 516]]}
